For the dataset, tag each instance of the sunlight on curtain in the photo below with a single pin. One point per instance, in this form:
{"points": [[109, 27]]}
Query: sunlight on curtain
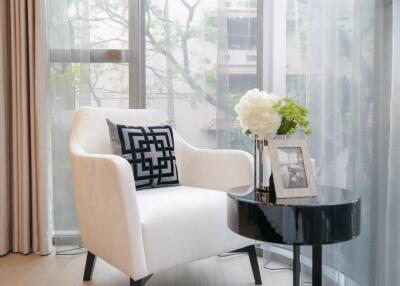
{"points": [[389, 246], [330, 65], [200, 58]]}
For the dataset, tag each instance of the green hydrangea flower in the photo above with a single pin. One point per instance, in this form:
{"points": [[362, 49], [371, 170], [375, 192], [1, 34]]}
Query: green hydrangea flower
{"points": [[294, 117]]}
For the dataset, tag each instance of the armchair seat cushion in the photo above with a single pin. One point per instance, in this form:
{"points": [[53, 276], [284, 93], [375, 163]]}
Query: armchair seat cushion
{"points": [[182, 224]]}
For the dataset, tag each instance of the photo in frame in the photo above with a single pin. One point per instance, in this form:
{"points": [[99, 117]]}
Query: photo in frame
{"points": [[292, 169]]}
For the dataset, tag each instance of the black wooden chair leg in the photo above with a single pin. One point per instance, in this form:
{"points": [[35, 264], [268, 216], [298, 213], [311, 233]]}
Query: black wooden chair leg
{"points": [[251, 251], [90, 262], [140, 282]]}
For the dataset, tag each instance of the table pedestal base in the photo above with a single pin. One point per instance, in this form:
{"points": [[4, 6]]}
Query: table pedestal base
{"points": [[316, 265], [296, 265], [333, 216]]}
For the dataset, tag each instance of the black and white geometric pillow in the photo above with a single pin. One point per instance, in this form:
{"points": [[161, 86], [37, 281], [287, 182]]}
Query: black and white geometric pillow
{"points": [[150, 150]]}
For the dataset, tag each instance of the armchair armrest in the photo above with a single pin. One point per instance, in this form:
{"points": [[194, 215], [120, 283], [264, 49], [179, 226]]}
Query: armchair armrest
{"points": [[216, 169], [108, 214]]}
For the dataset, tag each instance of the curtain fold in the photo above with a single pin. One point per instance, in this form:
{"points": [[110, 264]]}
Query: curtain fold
{"points": [[25, 214], [89, 66], [331, 69], [344, 62], [388, 244], [4, 114]]}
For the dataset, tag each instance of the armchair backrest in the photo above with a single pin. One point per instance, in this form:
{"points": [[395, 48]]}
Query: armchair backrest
{"points": [[91, 130]]}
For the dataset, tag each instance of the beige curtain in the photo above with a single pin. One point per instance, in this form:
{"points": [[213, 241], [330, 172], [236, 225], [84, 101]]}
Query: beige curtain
{"points": [[24, 201]]}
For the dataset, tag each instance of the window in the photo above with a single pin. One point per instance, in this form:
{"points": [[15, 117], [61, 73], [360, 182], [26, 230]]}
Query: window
{"points": [[190, 63], [240, 83], [240, 27], [93, 52], [89, 65], [164, 54], [251, 58]]}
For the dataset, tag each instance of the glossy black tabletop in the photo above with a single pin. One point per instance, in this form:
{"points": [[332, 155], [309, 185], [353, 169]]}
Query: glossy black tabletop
{"points": [[333, 216]]}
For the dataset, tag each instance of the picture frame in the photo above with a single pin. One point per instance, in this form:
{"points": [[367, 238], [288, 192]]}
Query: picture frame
{"points": [[292, 169]]}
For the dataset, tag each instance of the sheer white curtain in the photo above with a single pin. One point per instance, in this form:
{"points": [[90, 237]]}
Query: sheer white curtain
{"points": [[200, 58], [343, 62], [392, 242], [88, 40], [181, 61], [387, 241]]}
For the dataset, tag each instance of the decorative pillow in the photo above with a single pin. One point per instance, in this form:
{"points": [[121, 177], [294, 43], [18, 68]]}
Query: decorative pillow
{"points": [[150, 150]]}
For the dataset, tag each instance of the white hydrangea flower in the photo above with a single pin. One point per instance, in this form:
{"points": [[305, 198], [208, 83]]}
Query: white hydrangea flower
{"points": [[256, 113]]}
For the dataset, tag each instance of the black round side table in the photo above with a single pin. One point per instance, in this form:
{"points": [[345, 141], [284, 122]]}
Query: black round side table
{"points": [[333, 216]]}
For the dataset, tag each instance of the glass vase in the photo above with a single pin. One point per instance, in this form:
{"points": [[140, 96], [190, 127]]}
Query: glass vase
{"points": [[262, 166], [263, 179]]}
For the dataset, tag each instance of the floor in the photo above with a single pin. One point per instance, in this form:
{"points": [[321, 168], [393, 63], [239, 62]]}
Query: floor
{"points": [[21, 270]]}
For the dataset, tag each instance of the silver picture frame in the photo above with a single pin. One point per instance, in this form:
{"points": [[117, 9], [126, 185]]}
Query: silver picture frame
{"points": [[292, 169]]}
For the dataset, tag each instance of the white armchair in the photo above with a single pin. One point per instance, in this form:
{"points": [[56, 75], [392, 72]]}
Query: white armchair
{"points": [[143, 232]]}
